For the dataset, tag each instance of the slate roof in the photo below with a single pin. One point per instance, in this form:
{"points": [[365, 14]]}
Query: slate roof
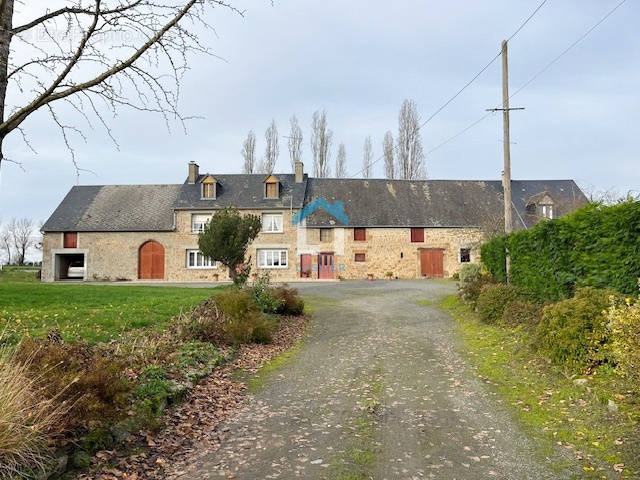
{"points": [[115, 208], [367, 203], [244, 191], [435, 203]]}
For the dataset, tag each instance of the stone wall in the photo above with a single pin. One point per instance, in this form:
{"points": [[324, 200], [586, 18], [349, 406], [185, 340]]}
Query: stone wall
{"points": [[112, 256], [391, 250]]}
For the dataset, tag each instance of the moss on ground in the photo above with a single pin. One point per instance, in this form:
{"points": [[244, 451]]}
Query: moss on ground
{"points": [[557, 412]]}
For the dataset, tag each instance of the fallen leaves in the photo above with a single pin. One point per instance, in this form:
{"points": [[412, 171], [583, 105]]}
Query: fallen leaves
{"points": [[193, 424]]}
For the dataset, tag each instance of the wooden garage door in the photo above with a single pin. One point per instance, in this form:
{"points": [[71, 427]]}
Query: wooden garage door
{"points": [[432, 262], [151, 261]]}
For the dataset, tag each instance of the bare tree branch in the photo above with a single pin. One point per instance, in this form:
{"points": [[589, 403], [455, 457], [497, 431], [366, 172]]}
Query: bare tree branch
{"points": [[124, 53]]}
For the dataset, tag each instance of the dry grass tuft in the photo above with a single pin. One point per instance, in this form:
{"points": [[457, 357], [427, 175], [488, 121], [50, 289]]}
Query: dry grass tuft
{"points": [[27, 418]]}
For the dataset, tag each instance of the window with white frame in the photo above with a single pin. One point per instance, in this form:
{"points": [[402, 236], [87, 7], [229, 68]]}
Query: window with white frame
{"points": [[272, 258], [198, 222], [195, 259], [546, 210], [272, 222]]}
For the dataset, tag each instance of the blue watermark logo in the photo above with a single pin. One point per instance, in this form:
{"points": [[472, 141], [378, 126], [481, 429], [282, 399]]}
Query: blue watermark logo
{"points": [[336, 210]]}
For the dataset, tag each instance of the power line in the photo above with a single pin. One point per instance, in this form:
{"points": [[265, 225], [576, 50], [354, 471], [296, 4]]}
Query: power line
{"points": [[465, 86], [566, 50], [534, 77]]}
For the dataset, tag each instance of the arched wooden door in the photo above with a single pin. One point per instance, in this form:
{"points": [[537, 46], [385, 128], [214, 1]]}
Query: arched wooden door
{"points": [[151, 261]]}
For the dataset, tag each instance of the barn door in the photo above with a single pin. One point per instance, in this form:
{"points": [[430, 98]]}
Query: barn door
{"points": [[432, 263], [151, 261]]}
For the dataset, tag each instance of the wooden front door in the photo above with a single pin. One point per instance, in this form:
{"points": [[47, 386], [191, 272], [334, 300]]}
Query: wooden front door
{"points": [[325, 265], [305, 265], [151, 261], [432, 262]]}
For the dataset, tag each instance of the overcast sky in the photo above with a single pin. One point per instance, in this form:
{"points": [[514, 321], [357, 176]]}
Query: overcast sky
{"points": [[358, 60]]}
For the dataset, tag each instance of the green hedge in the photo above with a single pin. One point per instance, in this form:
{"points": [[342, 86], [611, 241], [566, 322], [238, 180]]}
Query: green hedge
{"points": [[595, 246]]}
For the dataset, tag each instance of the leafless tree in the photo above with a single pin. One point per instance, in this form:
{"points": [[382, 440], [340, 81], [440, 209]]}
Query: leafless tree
{"points": [[249, 153], [295, 142], [367, 158], [6, 241], [341, 161], [321, 138], [410, 156], [271, 150], [387, 149], [22, 231], [95, 56]]}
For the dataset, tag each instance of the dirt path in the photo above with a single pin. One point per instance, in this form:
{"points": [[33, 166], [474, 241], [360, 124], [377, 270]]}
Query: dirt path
{"points": [[379, 391]]}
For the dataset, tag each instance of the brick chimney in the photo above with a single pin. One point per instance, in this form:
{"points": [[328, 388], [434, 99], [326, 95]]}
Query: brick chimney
{"points": [[299, 172], [194, 171]]}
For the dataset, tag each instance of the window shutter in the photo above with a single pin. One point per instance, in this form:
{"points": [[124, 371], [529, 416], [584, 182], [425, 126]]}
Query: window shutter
{"points": [[417, 234], [360, 234]]}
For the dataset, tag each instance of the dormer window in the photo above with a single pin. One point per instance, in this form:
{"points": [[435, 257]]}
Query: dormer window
{"points": [[209, 187], [271, 187], [546, 211], [541, 205]]}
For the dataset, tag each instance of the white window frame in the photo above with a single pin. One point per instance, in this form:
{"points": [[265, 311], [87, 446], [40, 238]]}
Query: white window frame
{"points": [[547, 210], [215, 191], [268, 256], [207, 264], [273, 214], [200, 228]]}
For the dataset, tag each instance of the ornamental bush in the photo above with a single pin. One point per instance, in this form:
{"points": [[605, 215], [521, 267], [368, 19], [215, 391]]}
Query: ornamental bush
{"points": [[493, 300], [624, 328], [574, 332], [522, 312], [472, 278]]}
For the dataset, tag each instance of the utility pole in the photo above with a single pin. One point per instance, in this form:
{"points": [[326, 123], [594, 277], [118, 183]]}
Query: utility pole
{"points": [[506, 141], [506, 176]]}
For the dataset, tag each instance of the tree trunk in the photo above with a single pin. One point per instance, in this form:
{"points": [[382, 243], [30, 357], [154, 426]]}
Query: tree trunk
{"points": [[6, 24]]}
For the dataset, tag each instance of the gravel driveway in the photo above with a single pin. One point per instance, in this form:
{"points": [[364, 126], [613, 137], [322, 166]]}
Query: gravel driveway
{"points": [[379, 391]]}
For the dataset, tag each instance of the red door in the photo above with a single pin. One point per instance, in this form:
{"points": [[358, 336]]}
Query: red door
{"points": [[432, 263], [325, 265], [151, 261], [305, 265]]}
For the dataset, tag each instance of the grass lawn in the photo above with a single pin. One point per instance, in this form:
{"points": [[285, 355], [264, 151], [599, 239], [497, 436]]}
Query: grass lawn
{"points": [[546, 400], [94, 313]]}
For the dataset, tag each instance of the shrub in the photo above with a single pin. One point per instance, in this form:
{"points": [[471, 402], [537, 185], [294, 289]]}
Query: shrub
{"points": [[90, 381], [229, 318], [494, 257], [28, 418], [573, 332], [264, 296], [472, 278], [291, 304], [595, 246], [624, 328], [522, 312], [493, 299]]}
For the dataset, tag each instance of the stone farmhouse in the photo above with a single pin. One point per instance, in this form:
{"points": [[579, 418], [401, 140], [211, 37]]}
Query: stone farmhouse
{"points": [[399, 228]]}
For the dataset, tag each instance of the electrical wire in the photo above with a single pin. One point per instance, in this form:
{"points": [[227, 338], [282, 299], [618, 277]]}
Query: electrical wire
{"points": [[465, 86], [534, 77]]}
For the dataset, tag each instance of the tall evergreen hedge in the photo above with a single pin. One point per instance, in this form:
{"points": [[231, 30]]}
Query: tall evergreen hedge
{"points": [[595, 246]]}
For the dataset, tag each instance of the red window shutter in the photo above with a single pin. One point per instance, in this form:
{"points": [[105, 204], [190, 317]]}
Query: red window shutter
{"points": [[360, 257], [70, 240], [359, 234], [417, 234]]}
